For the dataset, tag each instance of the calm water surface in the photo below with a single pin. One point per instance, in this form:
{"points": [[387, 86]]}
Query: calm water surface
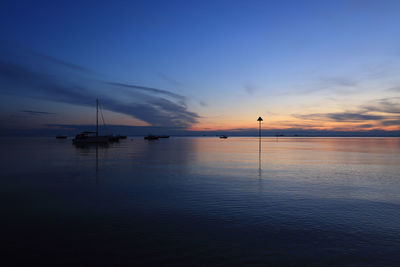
{"points": [[201, 201]]}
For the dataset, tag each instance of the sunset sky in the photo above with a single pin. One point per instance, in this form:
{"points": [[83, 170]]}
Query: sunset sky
{"points": [[201, 65]]}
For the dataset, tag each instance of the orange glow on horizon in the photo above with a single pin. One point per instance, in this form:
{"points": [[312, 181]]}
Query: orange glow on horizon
{"points": [[295, 124]]}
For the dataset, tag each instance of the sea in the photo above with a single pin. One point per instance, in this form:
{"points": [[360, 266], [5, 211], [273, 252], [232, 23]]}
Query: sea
{"points": [[201, 201]]}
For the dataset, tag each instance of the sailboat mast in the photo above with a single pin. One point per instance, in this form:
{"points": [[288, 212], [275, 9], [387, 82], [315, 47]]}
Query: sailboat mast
{"points": [[97, 117]]}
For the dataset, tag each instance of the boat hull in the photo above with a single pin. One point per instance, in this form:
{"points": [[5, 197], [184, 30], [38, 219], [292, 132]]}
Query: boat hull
{"points": [[91, 140]]}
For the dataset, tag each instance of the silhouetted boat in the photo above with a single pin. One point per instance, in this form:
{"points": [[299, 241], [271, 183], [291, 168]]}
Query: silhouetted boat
{"points": [[92, 137], [223, 137], [163, 136], [61, 137], [151, 137]]}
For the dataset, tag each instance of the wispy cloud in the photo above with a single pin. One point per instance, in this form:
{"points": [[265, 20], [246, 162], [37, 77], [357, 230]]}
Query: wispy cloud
{"points": [[203, 103], [385, 105], [395, 122], [394, 89], [340, 117], [63, 63], [380, 112], [336, 81], [338, 84], [169, 79], [250, 88], [147, 89], [36, 112], [155, 106]]}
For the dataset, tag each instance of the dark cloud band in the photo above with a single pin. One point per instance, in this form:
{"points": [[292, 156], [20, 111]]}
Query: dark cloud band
{"points": [[155, 106]]}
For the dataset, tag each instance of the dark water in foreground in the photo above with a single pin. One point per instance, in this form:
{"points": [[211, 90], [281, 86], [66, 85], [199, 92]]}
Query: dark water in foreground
{"points": [[201, 201]]}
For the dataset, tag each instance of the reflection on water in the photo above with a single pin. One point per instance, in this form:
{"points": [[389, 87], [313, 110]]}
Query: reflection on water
{"points": [[202, 201], [87, 150]]}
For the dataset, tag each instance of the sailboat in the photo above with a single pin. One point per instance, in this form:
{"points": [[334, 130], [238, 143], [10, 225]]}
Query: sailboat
{"points": [[87, 137]]}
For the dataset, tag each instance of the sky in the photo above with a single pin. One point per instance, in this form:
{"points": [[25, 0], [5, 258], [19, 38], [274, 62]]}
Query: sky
{"points": [[201, 65]]}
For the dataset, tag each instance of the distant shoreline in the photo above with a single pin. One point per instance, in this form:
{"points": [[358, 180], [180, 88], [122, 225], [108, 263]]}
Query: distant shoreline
{"points": [[72, 130], [230, 136]]}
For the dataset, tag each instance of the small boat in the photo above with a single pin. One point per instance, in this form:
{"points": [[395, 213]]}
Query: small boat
{"points": [[86, 138], [163, 136], [223, 137], [151, 137], [61, 136], [90, 138]]}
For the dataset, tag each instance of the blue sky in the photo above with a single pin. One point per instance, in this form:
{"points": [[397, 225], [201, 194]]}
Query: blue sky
{"points": [[215, 64]]}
